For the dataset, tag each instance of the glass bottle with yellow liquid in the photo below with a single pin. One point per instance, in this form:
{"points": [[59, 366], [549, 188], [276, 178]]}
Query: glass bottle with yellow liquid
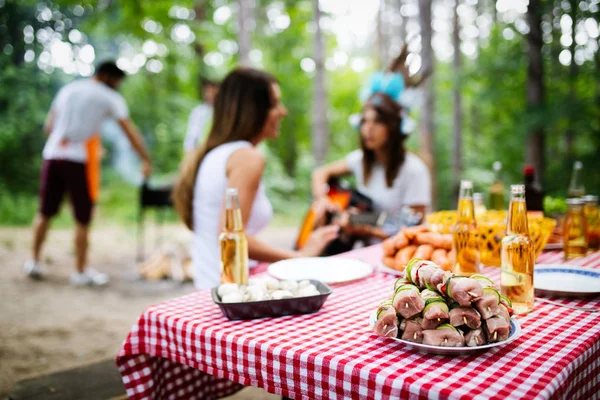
{"points": [[575, 230], [592, 216], [497, 188], [576, 188], [464, 233], [518, 255], [233, 242]]}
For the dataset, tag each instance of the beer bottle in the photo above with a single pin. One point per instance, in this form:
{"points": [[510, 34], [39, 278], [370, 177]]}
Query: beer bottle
{"points": [[518, 255], [233, 242], [464, 235]]}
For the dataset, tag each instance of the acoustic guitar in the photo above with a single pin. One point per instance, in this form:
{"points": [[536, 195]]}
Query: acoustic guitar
{"points": [[363, 222]]}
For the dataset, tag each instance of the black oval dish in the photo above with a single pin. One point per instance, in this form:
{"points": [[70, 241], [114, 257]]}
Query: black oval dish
{"points": [[274, 308]]}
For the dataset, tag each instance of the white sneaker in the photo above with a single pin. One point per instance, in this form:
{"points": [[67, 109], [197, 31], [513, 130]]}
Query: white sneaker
{"points": [[89, 277], [34, 269]]}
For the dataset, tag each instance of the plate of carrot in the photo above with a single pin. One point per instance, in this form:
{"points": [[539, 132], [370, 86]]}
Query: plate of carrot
{"points": [[416, 242]]}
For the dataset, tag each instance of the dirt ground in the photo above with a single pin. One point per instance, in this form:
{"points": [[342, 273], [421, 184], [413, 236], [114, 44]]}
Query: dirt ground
{"points": [[49, 326]]}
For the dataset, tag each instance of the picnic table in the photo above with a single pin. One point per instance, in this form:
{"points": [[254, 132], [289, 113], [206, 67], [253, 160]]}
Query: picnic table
{"points": [[185, 348]]}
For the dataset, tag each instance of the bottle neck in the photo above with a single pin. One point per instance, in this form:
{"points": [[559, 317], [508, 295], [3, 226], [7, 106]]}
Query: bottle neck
{"points": [[575, 179], [233, 220], [529, 179], [233, 213], [517, 216], [497, 173], [466, 210]]}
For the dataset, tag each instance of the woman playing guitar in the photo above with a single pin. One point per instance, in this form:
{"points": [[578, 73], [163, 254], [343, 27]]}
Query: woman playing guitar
{"points": [[387, 175]]}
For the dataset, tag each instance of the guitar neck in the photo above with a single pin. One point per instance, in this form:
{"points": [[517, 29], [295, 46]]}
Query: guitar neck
{"points": [[371, 218]]}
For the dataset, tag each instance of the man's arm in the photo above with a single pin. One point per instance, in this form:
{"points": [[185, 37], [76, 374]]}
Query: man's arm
{"points": [[138, 144], [49, 123]]}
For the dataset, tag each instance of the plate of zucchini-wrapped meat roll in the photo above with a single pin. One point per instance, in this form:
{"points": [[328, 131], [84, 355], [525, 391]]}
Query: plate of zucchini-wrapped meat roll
{"points": [[435, 311]]}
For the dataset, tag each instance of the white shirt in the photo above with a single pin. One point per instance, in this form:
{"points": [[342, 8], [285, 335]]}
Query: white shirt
{"points": [[80, 108], [209, 192], [412, 185], [198, 123]]}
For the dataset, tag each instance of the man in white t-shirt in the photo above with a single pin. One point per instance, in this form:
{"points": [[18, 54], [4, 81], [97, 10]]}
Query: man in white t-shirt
{"points": [[200, 120], [76, 114]]}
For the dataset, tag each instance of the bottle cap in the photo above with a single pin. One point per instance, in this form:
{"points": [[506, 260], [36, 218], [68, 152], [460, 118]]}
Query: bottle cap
{"points": [[517, 189], [477, 196], [578, 165], [466, 184], [574, 202], [231, 192], [529, 170], [497, 165], [590, 198]]}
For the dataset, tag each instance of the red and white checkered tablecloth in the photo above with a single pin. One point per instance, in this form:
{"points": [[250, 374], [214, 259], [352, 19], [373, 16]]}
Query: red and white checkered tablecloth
{"points": [[185, 348]]}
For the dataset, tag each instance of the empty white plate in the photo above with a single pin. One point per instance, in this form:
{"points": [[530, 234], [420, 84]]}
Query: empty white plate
{"points": [[565, 280], [327, 269]]}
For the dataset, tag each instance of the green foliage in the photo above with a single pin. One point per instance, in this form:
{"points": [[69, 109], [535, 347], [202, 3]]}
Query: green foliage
{"points": [[496, 120], [555, 205]]}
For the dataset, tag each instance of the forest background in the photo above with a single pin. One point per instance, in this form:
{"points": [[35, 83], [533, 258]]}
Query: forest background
{"points": [[512, 80]]}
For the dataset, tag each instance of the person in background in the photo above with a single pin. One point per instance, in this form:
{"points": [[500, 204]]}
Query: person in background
{"points": [[385, 172], [200, 117], [248, 110], [76, 115]]}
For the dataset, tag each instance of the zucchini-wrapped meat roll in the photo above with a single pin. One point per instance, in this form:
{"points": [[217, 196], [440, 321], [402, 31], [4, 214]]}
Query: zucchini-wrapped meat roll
{"points": [[412, 330], [387, 320], [466, 316], [487, 305], [407, 300], [484, 281], [424, 274], [496, 329], [435, 312], [461, 289], [504, 312], [445, 335], [476, 337]]}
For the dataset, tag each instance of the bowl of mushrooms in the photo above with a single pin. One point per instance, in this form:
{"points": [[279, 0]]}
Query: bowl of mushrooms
{"points": [[268, 297]]}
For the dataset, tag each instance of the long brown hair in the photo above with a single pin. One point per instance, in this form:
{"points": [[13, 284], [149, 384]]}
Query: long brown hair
{"points": [[388, 113], [241, 109]]}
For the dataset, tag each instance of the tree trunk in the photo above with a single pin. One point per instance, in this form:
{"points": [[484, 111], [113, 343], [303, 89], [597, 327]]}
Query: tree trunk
{"points": [[244, 36], [494, 12], [535, 87], [572, 96], [457, 66], [200, 9], [381, 58], [320, 131], [403, 21], [427, 126]]}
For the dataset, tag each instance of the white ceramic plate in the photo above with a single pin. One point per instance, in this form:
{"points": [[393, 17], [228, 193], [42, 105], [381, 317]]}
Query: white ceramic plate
{"points": [[326, 269], [565, 280], [389, 270], [515, 332]]}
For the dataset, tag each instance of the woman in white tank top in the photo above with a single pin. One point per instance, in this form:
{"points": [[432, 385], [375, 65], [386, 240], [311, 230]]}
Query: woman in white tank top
{"points": [[247, 110]]}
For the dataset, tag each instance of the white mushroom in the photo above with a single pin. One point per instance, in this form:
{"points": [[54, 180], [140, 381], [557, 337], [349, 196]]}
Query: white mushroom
{"points": [[271, 283], [310, 290], [282, 294], [234, 297], [256, 293], [227, 288], [304, 283], [290, 286]]}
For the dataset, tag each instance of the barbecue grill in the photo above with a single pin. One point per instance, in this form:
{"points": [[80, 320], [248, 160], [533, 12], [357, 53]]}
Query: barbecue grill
{"points": [[152, 197]]}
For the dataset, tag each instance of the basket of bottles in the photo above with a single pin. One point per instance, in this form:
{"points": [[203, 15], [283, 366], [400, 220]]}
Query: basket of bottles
{"points": [[491, 228]]}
